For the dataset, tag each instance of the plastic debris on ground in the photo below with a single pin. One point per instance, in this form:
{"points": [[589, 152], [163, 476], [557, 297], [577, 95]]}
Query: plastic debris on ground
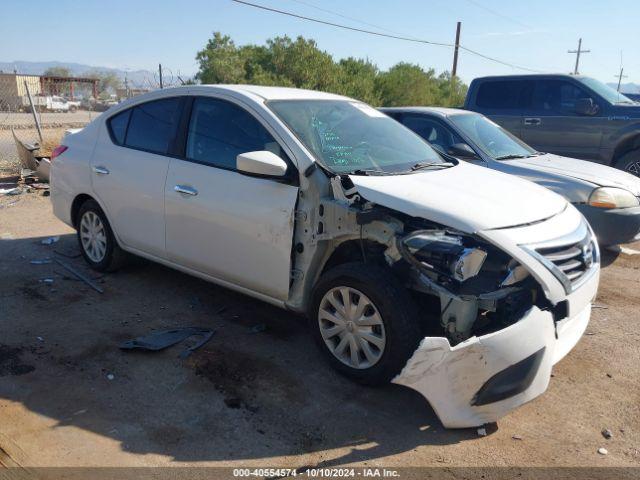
{"points": [[50, 240], [165, 338]]}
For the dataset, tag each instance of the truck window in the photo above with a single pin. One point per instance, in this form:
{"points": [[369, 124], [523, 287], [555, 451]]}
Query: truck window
{"points": [[557, 96], [504, 94]]}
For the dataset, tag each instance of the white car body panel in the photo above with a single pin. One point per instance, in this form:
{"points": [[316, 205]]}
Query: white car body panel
{"points": [[465, 197], [250, 218], [132, 193]]}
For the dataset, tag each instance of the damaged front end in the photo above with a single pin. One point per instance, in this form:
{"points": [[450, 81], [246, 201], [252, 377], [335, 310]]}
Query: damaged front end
{"points": [[495, 314]]}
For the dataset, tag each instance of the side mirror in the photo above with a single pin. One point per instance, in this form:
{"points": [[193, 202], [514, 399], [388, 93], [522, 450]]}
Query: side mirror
{"points": [[586, 106], [462, 150], [262, 163]]}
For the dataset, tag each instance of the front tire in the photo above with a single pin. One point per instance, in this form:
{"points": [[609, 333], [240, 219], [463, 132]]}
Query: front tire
{"points": [[365, 322], [630, 162], [95, 237]]}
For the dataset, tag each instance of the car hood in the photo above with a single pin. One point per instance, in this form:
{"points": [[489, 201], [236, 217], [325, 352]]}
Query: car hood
{"points": [[465, 197], [598, 175]]}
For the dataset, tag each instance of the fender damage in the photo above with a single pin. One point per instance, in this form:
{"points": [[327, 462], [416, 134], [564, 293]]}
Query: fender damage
{"points": [[495, 326]]}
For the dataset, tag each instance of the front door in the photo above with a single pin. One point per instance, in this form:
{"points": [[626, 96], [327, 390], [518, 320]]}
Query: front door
{"points": [[231, 226], [550, 123]]}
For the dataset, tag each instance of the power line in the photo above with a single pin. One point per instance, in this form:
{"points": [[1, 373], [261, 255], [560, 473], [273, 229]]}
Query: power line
{"points": [[344, 16], [380, 34], [498, 14]]}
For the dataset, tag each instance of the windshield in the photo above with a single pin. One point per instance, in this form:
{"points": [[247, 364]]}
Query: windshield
{"points": [[605, 91], [352, 137], [491, 138]]}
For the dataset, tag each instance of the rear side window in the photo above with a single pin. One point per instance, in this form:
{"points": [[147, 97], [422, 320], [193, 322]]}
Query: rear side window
{"points": [[219, 131], [118, 126], [504, 94], [152, 126]]}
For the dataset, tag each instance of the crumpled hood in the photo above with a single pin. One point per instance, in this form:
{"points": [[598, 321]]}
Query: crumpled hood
{"points": [[465, 197], [598, 175]]}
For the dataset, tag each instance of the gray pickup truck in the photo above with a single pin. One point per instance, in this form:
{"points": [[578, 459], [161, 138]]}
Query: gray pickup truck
{"points": [[572, 116]]}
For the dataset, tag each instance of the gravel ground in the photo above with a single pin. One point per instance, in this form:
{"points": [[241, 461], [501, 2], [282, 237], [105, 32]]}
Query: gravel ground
{"points": [[261, 397]]}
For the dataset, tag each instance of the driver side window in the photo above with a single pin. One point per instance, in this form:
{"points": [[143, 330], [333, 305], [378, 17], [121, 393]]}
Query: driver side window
{"points": [[219, 131], [432, 131], [557, 96]]}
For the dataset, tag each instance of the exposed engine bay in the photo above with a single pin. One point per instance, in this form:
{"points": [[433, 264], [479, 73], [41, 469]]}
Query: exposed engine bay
{"points": [[466, 283]]}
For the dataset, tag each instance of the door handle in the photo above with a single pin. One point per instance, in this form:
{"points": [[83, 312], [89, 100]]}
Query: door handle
{"points": [[101, 170], [187, 190], [532, 121]]}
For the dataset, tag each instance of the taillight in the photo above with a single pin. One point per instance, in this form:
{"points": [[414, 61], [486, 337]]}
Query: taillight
{"points": [[59, 150]]}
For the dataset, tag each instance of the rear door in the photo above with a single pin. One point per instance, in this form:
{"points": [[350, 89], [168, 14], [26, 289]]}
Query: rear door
{"points": [[231, 226], [129, 169], [551, 124], [503, 102]]}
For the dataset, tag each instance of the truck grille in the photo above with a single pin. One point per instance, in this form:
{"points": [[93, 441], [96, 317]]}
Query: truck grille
{"points": [[569, 258]]}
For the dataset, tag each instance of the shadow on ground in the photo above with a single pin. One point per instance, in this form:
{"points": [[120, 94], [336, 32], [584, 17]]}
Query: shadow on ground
{"points": [[258, 389]]}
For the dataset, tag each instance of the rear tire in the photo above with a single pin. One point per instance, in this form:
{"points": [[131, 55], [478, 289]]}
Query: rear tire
{"points": [[97, 243], [630, 162], [383, 328]]}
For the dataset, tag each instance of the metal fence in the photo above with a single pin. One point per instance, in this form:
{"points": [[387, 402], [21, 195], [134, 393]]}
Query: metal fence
{"points": [[55, 104]]}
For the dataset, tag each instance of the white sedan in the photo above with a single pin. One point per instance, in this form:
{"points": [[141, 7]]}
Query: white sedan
{"points": [[460, 282]]}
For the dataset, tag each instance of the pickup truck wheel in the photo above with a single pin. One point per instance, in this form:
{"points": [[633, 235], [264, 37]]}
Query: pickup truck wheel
{"points": [[364, 321], [95, 237], [630, 162]]}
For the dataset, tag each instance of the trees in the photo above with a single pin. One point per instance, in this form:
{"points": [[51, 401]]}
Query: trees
{"points": [[300, 63], [109, 81], [57, 72]]}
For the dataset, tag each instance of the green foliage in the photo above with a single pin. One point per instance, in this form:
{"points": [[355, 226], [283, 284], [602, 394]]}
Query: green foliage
{"points": [[300, 63], [57, 72], [109, 81]]}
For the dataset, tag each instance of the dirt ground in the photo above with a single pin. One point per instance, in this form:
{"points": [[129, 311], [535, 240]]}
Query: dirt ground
{"points": [[259, 393]]}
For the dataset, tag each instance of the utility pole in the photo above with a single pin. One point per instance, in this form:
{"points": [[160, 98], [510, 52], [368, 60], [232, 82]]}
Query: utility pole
{"points": [[620, 77], [160, 72], [454, 70], [578, 52]]}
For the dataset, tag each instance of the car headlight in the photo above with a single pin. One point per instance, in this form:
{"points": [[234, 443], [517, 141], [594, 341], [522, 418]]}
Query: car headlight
{"points": [[443, 253], [611, 197]]}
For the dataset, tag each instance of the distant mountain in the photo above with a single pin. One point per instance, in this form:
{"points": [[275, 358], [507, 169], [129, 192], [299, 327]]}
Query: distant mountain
{"points": [[626, 87], [137, 78]]}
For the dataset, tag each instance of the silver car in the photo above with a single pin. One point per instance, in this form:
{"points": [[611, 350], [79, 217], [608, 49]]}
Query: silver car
{"points": [[607, 197]]}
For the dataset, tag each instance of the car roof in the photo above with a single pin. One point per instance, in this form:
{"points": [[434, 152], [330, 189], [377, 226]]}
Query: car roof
{"points": [[277, 93], [528, 75], [439, 111]]}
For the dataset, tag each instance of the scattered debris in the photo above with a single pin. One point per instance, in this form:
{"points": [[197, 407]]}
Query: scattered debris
{"points": [[80, 276], [606, 433], [260, 327], [42, 261], [603, 451], [40, 339], [595, 305], [629, 251], [516, 437], [110, 376], [11, 191], [165, 338], [47, 281], [590, 333], [609, 375], [50, 240], [482, 432]]}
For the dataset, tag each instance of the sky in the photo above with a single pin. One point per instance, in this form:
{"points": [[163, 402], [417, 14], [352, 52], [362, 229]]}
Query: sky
{"points": [[139, 34]]}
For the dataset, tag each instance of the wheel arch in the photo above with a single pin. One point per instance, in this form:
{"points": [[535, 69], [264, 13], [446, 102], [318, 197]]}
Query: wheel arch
{"points": [[630, 143]]}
